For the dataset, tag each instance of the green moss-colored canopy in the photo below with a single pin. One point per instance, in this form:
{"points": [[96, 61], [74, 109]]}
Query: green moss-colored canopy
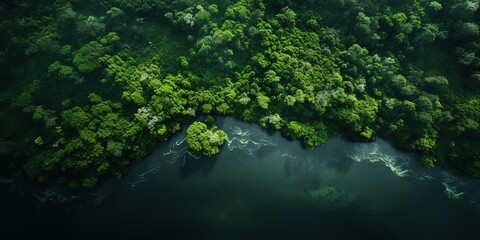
{"points": [[102, 81], [205, 141]]}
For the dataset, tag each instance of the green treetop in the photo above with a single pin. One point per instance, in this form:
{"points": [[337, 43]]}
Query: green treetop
{"points": [[205, 141]]}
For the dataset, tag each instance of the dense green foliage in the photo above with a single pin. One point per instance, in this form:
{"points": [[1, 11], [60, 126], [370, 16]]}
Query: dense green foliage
{"points": [[102, 81], [205, 141]]}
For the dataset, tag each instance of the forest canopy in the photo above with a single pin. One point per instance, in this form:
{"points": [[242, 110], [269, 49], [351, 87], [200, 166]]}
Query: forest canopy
{"points": [[203, 140], [88, 87]]}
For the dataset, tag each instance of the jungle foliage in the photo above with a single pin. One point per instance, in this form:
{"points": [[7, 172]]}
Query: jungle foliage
{"points": [[203, 140], [88, 87]]}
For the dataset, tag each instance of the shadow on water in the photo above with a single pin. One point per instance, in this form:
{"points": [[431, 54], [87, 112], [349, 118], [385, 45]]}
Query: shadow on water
{"points": [[193, 166], [342, 164], [314, 165], [293, 167], [264, 151]]}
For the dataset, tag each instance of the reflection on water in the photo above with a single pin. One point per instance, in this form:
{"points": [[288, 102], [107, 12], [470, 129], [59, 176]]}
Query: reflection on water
{"points": [[193, 166], [259, 187]]}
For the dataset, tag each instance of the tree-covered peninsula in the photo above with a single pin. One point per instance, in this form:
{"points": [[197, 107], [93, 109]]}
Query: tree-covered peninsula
{"points": [[203, 140], [88, 87]]}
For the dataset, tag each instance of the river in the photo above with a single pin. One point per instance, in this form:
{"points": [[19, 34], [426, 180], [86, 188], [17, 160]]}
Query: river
{"points": [[260, 186]]}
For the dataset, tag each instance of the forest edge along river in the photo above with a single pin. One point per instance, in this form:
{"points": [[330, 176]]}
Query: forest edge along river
{"points": [[260, 186]]}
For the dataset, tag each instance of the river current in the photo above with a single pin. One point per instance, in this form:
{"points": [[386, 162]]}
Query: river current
{"points": [[260, 186]]}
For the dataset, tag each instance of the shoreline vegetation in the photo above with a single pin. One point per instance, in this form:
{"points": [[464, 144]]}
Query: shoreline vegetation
{"points": [[203, 140], [88, 87]]}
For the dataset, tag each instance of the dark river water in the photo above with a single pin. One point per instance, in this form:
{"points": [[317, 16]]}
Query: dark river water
{"points": [[260, 186]]}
